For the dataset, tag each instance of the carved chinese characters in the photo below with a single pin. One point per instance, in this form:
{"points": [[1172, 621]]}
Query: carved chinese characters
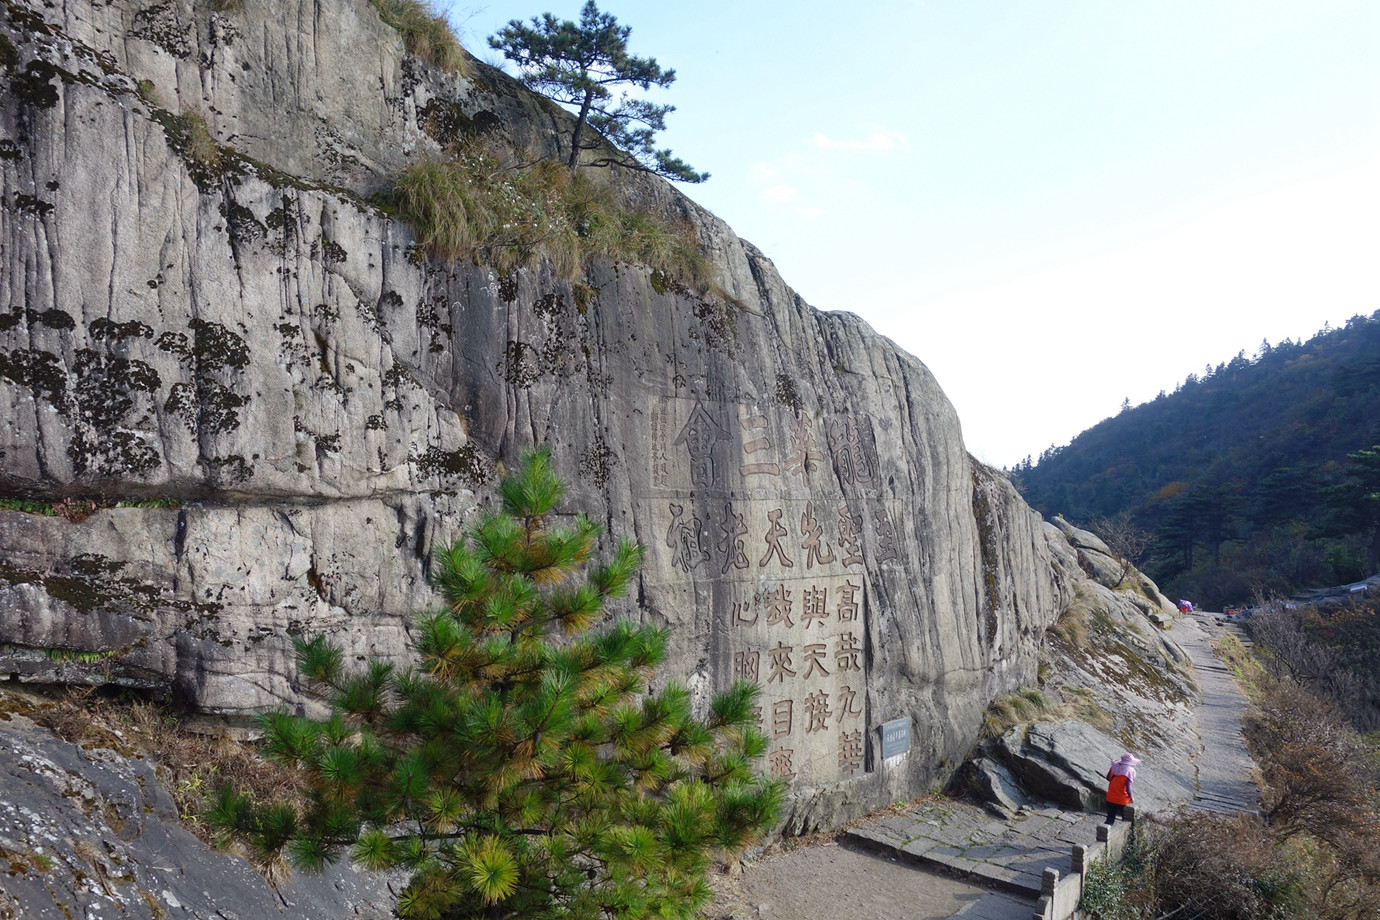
{"points": [[685, 538], [698, 436], [731, 543], [658, 420], [774, 534], [769, 518], [757, 448], [816, 551], [854, 450], [802, 640], [804, 459]]}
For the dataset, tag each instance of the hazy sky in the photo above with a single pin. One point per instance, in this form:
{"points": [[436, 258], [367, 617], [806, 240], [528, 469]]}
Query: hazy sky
{"points": [[1055, 205]]}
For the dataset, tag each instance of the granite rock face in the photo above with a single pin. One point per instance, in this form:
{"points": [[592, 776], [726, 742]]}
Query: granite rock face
{"points": [[1117, 682], [88, 832], [311, 403], [1106, 568]]}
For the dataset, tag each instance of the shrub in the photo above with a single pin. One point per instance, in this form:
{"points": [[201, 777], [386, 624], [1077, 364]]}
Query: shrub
{"points": [[1331, 652], [75, 510], [1320, 777], [1219, 867], [1106, 893]]}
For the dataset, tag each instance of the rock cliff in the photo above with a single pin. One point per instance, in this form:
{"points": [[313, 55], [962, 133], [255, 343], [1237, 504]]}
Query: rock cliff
{"points": [[305, 403]]}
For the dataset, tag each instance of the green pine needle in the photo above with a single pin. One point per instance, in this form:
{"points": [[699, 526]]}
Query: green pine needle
{"points": [[491, 868], [309, 854], [319, 660], [289, 739], [374, 851]]}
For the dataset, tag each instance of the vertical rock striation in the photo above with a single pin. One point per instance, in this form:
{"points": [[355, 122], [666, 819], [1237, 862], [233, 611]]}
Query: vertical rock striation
{"points": [[244, 334]]}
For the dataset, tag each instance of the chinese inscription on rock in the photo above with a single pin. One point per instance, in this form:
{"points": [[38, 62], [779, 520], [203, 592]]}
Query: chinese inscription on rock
{"points": [[780, 510]]}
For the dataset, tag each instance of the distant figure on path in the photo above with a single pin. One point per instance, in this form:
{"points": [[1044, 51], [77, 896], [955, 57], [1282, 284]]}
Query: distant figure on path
{"points": [[1119, 779]]}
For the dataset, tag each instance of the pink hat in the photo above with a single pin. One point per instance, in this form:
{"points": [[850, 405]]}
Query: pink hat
{"points": [[1129, 759]]}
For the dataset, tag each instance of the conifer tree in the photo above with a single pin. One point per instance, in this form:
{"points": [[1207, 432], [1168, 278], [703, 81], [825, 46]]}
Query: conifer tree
{"points": [[587, 65], [524, 767], [1356, 502]]}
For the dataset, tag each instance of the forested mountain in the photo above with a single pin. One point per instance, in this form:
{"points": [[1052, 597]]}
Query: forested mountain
{"points": [[1255, 477]]}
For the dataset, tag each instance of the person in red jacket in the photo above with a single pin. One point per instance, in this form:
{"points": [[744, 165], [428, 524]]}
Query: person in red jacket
{"points": [[1119, 779]]}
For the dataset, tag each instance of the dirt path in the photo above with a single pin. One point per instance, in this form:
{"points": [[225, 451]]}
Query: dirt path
{"points": [[830, 881]]}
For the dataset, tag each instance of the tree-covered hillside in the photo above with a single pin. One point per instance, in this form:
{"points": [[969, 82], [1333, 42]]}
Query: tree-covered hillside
{"points": [[1249, 478]]}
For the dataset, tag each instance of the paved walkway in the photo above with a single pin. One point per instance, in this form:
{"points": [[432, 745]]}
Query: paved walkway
{"points": [[1225, 766], [1010, 856], [961, 838]]}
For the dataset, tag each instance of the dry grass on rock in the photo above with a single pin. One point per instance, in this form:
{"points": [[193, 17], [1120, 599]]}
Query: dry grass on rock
{"points": [[192, 761], [426, 33], [472, 205]]}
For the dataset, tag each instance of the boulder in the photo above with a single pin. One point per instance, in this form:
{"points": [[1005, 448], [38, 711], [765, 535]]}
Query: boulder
{"points": [[993, 783], [1067, 763], [1057, 761], [1102, 565]]}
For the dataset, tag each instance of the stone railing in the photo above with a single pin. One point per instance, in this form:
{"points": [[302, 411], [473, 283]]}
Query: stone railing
{"points": [[1060, 897]]}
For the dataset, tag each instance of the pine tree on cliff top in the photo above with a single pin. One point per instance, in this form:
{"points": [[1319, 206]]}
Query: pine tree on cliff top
{"points": [[586, 64], [516, 772]]}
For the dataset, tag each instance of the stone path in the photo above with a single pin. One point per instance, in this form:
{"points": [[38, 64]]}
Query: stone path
{"points": [[1010, 856], [957, 837], [1225, 765]]}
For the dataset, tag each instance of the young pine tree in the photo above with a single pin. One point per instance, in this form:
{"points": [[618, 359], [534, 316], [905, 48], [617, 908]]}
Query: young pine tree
{"points": [[524, 768]]}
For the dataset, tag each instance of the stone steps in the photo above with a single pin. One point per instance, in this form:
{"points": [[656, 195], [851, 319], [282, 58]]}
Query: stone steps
{"points": [[963, 839]]}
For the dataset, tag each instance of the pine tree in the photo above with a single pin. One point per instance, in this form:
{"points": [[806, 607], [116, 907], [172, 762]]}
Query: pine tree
{"points": [[1356, 502], [524, 768], [581, 64]]}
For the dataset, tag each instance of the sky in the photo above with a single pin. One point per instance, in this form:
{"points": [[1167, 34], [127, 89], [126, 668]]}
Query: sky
{"points": [[1056, 205]]}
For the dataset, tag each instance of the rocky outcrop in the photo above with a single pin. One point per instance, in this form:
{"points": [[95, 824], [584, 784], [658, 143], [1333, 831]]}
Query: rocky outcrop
{"points": [[1067, 762], [1119, 682], [1109, 569], [310, 404], [89, 832]]}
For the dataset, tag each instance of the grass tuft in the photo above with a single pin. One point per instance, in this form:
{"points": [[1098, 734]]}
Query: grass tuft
{"points": [[473, 207], [1025, 705], [1072, 626], [425, 32], [201, 146], [78, 510]]}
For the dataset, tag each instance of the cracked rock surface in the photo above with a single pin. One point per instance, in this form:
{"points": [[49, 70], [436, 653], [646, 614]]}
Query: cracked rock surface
{"points": [[89, 833]]}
